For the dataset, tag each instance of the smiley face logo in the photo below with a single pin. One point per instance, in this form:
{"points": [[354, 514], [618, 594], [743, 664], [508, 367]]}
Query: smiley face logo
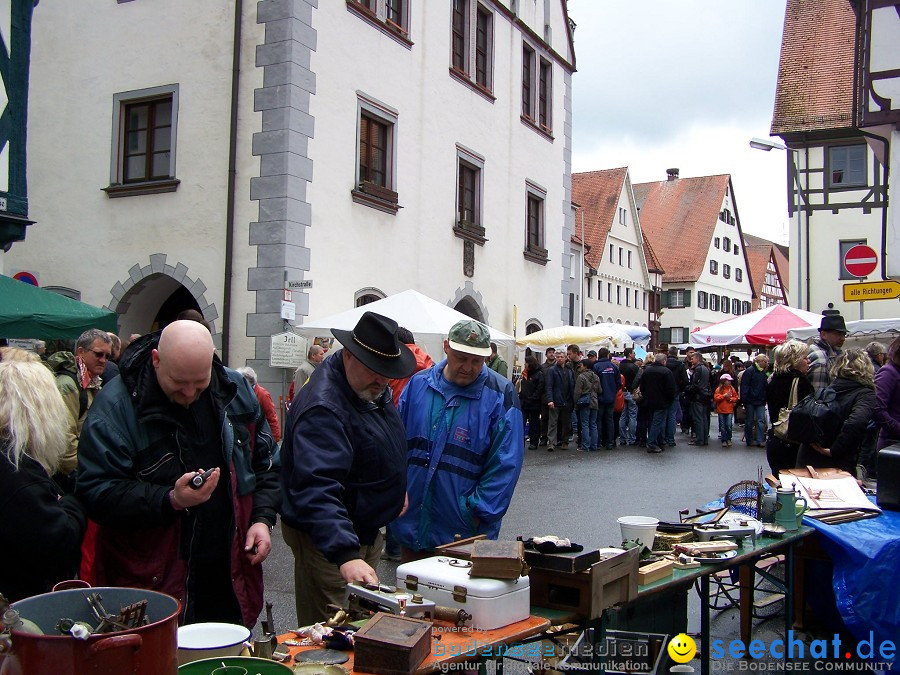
{"points": [[682, 648]]}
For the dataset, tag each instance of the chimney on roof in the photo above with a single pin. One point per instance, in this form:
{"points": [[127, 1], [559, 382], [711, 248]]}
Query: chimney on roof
{"points": [[672, 174]]}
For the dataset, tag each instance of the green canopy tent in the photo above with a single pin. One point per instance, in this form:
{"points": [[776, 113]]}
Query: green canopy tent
{"points": [[27, 311]]}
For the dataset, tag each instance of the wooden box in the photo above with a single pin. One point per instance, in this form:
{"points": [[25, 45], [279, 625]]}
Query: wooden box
{"points": [[587, 593], [391, 645], [563, 562], [498, 559]]}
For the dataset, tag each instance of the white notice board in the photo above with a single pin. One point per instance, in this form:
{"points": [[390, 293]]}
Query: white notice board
{"points": [[287, 350]]}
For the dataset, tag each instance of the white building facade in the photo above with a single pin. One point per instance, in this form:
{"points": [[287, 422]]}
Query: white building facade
{"points": [[207, 153]]}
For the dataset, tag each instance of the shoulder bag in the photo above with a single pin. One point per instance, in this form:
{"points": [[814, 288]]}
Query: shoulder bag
{"points": [[780, 426]]}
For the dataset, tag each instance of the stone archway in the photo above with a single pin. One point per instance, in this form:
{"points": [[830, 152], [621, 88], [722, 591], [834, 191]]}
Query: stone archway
{"points": [[139, 298], [469, 302]]}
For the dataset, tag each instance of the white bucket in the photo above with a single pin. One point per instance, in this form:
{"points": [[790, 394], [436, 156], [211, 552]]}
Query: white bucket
{"points": [[639, 528]]}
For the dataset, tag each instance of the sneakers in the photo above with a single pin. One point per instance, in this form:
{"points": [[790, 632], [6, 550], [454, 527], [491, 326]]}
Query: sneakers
{"points": [[655, 450], [532, 446]]}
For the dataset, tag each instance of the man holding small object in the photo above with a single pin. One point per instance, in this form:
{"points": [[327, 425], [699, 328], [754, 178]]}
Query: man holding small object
{"points": [[344, 455], [176, 465]]}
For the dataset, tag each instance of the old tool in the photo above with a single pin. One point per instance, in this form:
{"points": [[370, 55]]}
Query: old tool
{"points": [[200, 478]]}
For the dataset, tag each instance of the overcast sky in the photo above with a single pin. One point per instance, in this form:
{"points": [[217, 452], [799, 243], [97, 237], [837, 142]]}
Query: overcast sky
{"points": [[682, 84]]}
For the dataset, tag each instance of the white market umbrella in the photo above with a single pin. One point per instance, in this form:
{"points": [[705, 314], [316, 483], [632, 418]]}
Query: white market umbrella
{"points": [[767, 326], [601, 334]]}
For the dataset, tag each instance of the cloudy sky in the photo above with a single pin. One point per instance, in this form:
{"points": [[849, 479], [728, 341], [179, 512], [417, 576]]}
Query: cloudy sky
{"points": [[682, 84]]}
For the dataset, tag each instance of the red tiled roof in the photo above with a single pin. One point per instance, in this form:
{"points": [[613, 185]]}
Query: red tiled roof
{"points": [[679, 217], [598, 193], [653, 264], [758, 259], [782, 264], [815, 72]]}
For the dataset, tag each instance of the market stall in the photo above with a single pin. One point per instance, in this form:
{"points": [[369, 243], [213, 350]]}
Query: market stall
{"points": [[859, 333], [612, 335], [429, 320], [27, 311], [767, 326]]}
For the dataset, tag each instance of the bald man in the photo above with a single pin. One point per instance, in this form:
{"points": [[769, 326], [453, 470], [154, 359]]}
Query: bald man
{"points": [[174, 413]]}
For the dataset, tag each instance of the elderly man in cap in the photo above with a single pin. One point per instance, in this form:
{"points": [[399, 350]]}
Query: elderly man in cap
{"points": [[466, 445], [344, 465], [823, 352]]}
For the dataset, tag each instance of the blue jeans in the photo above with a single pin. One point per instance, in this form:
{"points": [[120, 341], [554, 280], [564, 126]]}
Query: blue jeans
{"points": [[725, 424], [588, 418], [756, 421], [657, 436], [628, 420], [671, 416], [607, 428]]}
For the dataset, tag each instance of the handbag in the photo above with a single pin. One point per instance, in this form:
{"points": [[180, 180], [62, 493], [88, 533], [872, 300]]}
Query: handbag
{"points": [[583, 400], [636, 395], [780, 426]]}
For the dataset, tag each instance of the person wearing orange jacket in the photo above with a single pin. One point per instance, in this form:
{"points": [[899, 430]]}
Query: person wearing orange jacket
{"points": [[725, 397], [423, 361]]}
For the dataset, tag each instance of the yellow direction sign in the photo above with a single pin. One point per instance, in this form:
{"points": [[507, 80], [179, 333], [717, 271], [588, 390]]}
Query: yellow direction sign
{"points": [[871, 290]]}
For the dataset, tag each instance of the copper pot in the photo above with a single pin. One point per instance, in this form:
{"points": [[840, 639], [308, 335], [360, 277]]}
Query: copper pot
{"points": [[145, 650]]}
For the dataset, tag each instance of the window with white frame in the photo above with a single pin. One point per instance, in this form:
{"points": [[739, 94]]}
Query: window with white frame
{"points": [[726, 303], [618, 294], [145, 123], [716, 242], [677, 298], [678, 335], [629, 259], [847, 165], [621, 253], [621, 216], [627, 297], [535, 248], [537, 89], [726, 244], [745, 307], [472, 44], [469, 187], [612, 253], [389, 16], [376, 153], [608, 291], [735, 306]]}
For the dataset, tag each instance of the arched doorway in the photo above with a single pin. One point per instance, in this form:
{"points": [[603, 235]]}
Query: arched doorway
{"points": [[470, 308]]}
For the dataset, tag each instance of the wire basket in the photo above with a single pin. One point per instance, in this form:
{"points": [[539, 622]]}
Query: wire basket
{"points": [[745, 497]]}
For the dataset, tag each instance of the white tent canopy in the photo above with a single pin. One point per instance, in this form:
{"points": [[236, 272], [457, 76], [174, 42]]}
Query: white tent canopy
{"points": [[427, 319], [601, 334], [872, 328]]}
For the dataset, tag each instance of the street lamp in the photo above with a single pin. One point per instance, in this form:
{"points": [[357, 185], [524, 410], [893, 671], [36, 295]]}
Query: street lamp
{"points": [[766, 145]]}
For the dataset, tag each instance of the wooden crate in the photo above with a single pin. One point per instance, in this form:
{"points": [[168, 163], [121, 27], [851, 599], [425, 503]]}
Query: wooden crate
{"points": [[587, 593], [391, 645]]}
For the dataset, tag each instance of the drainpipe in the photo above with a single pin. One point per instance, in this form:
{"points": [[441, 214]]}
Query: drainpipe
{"points": [[232, 179]]}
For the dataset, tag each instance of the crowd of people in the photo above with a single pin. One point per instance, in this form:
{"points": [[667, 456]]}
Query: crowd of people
{"points": [[152, 464], [164, 472], [598, 402]]}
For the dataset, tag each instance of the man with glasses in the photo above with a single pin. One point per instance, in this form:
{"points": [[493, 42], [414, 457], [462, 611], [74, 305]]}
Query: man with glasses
{"points": [[78, 380]]}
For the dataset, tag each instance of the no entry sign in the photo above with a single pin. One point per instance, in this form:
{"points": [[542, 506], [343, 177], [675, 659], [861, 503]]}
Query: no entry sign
{"points": [[861, 260]]}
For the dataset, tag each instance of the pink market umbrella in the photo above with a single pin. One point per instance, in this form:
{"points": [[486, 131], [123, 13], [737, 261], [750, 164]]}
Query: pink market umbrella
{"points": [[767, 326]]}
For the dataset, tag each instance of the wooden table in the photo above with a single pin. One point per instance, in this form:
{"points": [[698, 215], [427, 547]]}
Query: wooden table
{"points": [[456, 645]]}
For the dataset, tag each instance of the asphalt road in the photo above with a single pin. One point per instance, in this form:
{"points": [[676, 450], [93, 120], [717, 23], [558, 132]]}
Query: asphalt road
{"points": [[580, 496]]}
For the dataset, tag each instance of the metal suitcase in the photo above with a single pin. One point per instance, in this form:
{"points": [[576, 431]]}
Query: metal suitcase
{"points": [[444, 580]]}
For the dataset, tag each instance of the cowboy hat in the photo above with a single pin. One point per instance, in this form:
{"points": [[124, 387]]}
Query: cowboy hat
{"points": [[374, 342]]}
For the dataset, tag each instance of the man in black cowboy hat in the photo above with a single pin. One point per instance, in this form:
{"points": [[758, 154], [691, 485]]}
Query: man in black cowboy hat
{"points": [[344, 465], [823, 352]]}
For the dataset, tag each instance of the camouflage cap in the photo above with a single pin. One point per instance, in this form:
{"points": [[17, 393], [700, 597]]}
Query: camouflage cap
{"points": [[471, 337]]}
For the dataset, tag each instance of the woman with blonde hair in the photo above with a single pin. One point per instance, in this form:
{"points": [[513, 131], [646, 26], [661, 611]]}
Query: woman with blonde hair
{"points": [[791, 366], [43, 527], [853, 382]]}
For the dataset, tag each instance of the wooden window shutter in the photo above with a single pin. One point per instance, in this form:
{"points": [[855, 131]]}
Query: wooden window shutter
{"points": [[687, 298], [665, 335]]}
